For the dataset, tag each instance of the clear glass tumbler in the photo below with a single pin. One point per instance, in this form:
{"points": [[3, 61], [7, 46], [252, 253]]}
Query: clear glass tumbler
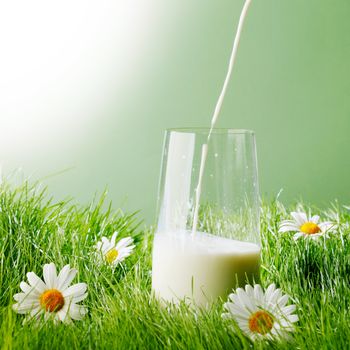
{"points": [[224, 251]]}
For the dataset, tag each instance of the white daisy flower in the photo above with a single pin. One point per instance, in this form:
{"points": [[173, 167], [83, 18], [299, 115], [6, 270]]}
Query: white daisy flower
{"points": [[261, 315], [307, 227], [113, 253], [52, 297]]}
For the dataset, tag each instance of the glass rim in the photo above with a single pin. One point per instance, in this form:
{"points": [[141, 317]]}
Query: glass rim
{"points": [[205, 130]]}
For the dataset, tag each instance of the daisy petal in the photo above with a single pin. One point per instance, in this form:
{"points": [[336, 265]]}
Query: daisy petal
{"points": [[114, 237], [50, 275], [106, 248], [77, 312], [36, 282], [237, 311], [75, 290], [315, 219], [288, 309], [124, 242], [26, 298], [62, 314], [226, 316], [288, 228], [269, 291], [249, 290], [327, 226], [79, 298], [298, 235], [258, 293], [293, 318], [277, 294], [66, 277], [282, 302], [245, 301], [62, 276], [19, 296], [26, 288], [23, 308], [36, 311], [299, 217]]}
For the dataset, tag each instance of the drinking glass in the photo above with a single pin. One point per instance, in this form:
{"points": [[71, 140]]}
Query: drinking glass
{"points": [[222, 252]]}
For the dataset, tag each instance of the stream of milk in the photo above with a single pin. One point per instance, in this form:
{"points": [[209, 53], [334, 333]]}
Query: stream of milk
{"points": [[217, 112], [196, 265]]}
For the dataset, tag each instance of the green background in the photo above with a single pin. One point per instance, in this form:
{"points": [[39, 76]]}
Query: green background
{"points": [[291, 85]]}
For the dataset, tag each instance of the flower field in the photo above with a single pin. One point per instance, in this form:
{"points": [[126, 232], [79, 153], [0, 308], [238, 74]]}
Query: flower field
{"points": [[103, 298]]}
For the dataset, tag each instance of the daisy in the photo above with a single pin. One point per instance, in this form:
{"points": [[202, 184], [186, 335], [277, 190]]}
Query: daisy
{"points": [[113, 253], [304, 226], [52, 298], [261, 315]]}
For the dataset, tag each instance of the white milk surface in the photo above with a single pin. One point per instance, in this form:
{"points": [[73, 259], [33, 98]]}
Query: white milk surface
{"points": [[201, 267]]}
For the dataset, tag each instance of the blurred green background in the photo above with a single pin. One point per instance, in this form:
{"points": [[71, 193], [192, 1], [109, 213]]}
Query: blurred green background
{"points": [[91, 86]]}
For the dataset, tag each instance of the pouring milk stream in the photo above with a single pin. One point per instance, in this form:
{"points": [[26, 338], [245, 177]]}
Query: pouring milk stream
{"points": [[197, 265]]}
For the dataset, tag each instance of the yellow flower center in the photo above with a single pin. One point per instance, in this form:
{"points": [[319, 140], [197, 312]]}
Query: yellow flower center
{"points": [[111, 255], [52, 300], [260, 322], [310, 228]]}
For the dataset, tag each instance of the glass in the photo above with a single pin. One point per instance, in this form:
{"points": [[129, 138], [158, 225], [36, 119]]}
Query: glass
{"points": [[224, 251]]}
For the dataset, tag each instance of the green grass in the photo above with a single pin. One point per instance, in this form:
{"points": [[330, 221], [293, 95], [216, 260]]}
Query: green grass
{"points": [[122, 313]]}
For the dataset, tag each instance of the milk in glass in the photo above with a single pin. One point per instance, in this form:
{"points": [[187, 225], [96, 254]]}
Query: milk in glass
{"points": [[200, 268]]}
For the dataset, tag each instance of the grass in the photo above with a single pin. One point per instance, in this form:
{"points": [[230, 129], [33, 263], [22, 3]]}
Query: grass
{"points": [[122, 312]]}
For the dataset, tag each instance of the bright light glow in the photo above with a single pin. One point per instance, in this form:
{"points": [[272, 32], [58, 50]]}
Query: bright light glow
{"points": [[59, 64]]}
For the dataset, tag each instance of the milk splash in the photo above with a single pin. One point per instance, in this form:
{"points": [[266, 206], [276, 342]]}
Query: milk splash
{"points": [[217, 112]]}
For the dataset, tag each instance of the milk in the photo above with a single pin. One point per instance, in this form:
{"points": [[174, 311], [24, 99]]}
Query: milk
{"points": [[190, 264], [201, 267], [217, 109]]}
